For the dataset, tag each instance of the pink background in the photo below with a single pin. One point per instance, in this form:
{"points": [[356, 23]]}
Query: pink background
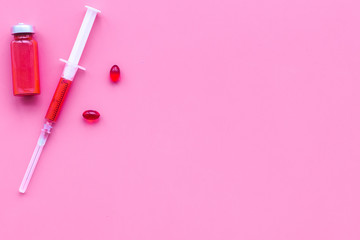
{"points": [[235, 119]]}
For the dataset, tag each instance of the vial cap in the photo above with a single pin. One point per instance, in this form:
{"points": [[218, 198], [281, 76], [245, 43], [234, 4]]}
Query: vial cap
{"points": [[22, 28]]}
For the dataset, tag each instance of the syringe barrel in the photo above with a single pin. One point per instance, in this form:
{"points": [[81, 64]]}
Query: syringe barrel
{"points": [[71, 66], [58, 100]]}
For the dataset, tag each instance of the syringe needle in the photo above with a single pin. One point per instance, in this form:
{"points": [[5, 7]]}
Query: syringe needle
{"points": [[45, 132]]}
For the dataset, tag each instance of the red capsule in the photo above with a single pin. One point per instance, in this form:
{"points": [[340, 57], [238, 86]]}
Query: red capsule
{"points": [[91, 115], [115, 73]]}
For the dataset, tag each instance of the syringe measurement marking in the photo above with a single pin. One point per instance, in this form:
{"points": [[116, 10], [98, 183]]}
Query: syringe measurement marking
{"points": [[58, 99]]}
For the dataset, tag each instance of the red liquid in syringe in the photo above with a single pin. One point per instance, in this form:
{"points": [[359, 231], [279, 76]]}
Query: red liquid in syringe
{"points": [[58, 100]]}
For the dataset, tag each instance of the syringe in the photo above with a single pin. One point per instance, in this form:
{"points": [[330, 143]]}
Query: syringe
{"points": [[57, 101]]}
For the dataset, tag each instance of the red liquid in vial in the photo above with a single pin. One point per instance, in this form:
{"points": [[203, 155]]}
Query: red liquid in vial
{"points": [[58, 99], [115, 73], [25, 65], [91, 115]]}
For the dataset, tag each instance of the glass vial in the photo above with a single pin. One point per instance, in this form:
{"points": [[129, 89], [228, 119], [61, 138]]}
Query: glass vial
{"points": [[24, 61]]}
